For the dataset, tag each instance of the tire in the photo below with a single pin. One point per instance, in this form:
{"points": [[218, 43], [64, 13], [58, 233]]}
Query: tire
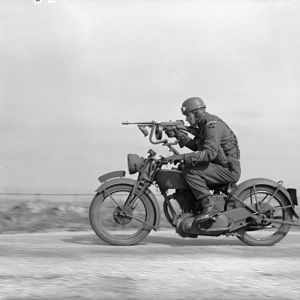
{"points": [[116, 229], [272, 233]]}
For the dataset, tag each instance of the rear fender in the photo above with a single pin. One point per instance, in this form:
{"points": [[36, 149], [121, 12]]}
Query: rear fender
{"points": [[116, 181], [264, 181]]}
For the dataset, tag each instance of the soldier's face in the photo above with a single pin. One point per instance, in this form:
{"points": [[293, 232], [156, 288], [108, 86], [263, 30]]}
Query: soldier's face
{"points": [[190, 117]]}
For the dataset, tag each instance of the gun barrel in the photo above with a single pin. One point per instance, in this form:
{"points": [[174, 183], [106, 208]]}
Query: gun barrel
{"points": [[139, 123]]}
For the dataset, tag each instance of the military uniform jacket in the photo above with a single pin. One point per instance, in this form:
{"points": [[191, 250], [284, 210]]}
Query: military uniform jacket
{"points": [[214, 142]]}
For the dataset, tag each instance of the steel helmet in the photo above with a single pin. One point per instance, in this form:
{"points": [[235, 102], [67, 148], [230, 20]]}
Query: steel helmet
{"points": [[191, 104]]}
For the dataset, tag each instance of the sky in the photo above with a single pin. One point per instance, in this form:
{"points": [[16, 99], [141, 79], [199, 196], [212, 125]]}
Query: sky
{"points": [[72, 71]]}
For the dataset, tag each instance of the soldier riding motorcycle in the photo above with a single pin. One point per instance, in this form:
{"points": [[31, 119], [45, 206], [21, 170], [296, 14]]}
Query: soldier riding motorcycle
{"points": [[258, 211], [215, 156]]}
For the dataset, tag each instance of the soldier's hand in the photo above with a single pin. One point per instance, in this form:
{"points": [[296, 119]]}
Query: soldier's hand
{"points": [[174, 159], [170, 133], [182, 138]]}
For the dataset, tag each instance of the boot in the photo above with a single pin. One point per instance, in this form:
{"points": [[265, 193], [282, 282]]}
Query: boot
{"points": [[209, 210]]}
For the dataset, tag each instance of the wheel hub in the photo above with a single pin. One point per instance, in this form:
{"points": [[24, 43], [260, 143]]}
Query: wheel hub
{"points": [[122, 217], [265, 211]]}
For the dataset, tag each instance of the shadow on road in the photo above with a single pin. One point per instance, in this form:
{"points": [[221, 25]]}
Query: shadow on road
{"points": [[200, 241], [91, 239]]}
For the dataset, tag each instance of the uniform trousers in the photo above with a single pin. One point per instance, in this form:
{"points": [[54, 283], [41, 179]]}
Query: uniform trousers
{"points": [[205, 174]]}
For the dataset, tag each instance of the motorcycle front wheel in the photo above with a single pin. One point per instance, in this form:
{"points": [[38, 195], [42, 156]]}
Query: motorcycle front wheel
{"points": [[118, 227], [274, 207]]}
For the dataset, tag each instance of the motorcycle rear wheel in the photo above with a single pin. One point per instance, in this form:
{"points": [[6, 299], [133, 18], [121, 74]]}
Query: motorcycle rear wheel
{"points": [[116, 227], [273, 207]]}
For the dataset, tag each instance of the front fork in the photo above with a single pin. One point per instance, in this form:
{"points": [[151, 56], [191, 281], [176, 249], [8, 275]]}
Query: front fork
{"points": [[134, 197]]}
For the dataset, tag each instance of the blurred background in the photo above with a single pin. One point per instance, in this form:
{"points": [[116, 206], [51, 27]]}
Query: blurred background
{"points": [[72, 71]]}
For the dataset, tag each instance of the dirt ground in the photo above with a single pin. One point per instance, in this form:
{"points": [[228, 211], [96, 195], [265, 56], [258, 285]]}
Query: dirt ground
{"points": [[77, 265], [48, 251]]}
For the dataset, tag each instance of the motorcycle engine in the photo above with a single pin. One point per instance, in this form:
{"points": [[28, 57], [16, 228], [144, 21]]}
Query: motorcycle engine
{"points": [[187, 227], [185, 199], [184, 224]]}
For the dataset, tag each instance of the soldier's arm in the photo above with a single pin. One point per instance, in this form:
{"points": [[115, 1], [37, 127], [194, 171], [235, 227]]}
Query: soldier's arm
{"points": [[191, 145], [185, 141], [210, 147], [193, 130]]}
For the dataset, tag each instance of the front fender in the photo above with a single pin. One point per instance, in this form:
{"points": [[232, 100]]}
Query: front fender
{"points": [[111, 175], [264, 181], [116, 181]]}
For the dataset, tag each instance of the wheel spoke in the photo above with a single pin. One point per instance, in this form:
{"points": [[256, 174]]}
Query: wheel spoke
{"points": [[139, 220], [280, 207], [251, 200], [112, 198], [265, 198]]}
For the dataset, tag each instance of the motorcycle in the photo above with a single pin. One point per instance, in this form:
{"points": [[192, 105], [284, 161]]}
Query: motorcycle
{"points": [[123, 212]]}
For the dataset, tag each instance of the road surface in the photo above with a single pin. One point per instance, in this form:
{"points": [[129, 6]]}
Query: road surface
{"points": [[77, 265]]}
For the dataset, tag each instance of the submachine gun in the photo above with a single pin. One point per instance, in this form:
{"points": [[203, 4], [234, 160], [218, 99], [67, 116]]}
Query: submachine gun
{"points": [[157, 129]]}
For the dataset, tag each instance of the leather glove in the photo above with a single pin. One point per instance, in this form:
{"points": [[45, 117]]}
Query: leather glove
{"points": [[182, 138], [170, 133], [174, 159]]}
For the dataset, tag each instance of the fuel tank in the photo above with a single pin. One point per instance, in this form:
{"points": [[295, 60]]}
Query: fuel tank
{"points": [[171, 179]]}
